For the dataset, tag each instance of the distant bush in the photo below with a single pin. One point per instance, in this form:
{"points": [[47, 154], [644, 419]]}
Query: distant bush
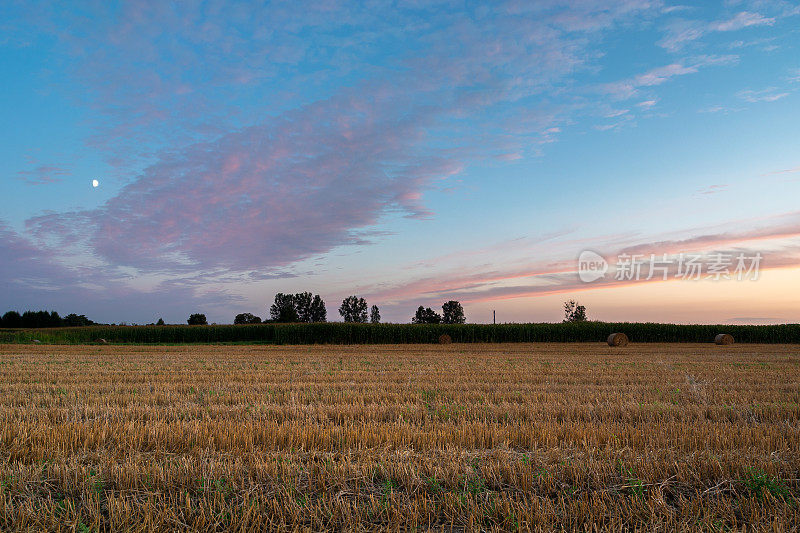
{"points": [[426, 315], [247, 318], [197, 319]]}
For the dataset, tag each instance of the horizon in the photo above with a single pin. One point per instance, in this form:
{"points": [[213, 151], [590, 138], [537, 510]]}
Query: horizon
{"points": [[163, 160]]}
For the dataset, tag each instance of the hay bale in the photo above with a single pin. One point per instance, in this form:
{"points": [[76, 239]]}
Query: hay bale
{"points": [[723, 339], [617, 339], [102, 341], [445, 339]]}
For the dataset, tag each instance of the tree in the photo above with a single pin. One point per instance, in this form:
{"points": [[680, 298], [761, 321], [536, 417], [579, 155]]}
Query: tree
{"points": [[283, 310], [426, 315], [41, 319], [12, 319], [354, 309], [453, 313], [302, 306], [375, 315], [160, 322], [574, 312], [74, 320], [317, 312], [247, 318], [197, 319]]}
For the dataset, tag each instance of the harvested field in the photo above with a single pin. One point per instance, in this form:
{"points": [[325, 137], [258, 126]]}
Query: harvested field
{"points": [[462, 437]]}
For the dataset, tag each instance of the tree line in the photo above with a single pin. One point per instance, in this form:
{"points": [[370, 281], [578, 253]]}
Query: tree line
{"points": [[307, 307], [286, 308], [42, 319]]}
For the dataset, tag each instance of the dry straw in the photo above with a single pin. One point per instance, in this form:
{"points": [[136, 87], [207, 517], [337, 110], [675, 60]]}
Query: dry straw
{"points": [[723, 339], [518, 437], [617, 339]]}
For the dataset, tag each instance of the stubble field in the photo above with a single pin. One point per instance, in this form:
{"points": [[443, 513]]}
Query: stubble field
{"points": [[400, 437]]}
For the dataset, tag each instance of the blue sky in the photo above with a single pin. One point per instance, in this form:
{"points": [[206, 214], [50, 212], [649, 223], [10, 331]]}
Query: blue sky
{"points": [[408, 152]]}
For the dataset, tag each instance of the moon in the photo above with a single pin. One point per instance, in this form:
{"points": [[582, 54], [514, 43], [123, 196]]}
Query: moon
{"points": [[95, 183]]}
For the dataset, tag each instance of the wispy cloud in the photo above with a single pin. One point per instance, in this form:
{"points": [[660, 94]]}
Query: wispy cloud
{"points": [[713, 189], [741, 20], [244, 193], [559, 274], [268, 195], [681, 32], [647, 104], [770, 94], [628, 88], [43, 174]]}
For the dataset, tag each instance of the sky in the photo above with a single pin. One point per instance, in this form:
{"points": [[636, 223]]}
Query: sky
{"points": [[406, 152]]}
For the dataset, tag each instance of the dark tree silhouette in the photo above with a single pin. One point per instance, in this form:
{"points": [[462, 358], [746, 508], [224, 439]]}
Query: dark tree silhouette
{"points": [[453, 313], [353, 309], [317, 311], [197, 319], [12, 319], [247, 318], [426, 315], [41, 319], [302, 305], [74, 320], [574, 312], [375, 315], [283, 310], [160, 322]]}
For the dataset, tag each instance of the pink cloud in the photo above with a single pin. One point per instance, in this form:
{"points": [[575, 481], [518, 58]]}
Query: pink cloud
{"points": [[559, 276], [267, 195], [244, 187], [43, 174]]}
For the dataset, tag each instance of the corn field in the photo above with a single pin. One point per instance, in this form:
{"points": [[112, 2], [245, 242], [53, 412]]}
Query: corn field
{"points": [[477, 437], [345, 333]]}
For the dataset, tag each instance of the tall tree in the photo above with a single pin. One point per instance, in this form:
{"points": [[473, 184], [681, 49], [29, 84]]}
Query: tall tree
{"points": [[12, 319], [302, 305], [375, 315], [574, 312], [426, 315], [353, 309], [317, 312], [41, 319], [453, 313], [283, 309]]}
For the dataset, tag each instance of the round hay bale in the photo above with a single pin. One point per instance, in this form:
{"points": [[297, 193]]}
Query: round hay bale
{"points": [[617, 339], [102, 341], [723, 339], [445, 339]]}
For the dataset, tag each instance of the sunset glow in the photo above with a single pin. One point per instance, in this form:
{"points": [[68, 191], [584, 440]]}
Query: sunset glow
{"points": [[407, 154]]}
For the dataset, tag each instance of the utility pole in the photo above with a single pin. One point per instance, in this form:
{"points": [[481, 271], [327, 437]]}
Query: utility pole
{"points": [[494, 316]]}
